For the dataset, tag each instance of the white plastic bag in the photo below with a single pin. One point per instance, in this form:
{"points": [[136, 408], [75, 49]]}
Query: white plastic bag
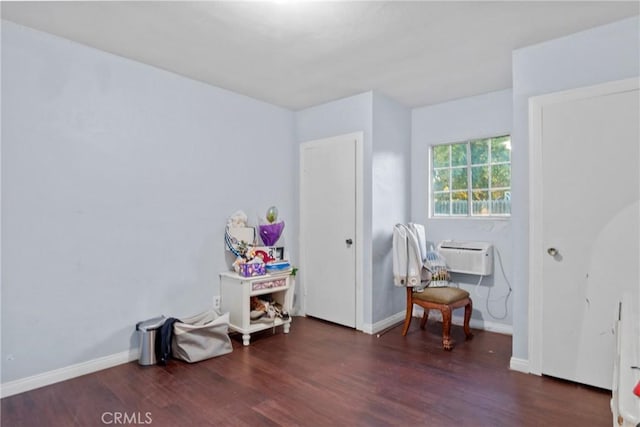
{"points": [[437, 264]]}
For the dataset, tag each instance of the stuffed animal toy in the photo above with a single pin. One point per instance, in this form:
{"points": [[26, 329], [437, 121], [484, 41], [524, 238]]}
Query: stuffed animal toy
{"points": [[258, 308], [238, 219]]}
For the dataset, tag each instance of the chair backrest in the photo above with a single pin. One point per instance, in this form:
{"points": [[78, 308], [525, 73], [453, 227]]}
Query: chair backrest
{"points": [[407, 257]]}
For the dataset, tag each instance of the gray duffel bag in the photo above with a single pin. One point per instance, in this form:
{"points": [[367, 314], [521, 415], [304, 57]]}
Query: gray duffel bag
{"points": [[201, 337]]}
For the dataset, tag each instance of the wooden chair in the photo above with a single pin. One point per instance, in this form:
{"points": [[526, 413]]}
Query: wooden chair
{"points": [[409, 256], [445, 299]]}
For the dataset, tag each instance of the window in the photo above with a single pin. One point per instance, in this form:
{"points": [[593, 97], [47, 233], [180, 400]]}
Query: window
{"points": [[471, 178]]}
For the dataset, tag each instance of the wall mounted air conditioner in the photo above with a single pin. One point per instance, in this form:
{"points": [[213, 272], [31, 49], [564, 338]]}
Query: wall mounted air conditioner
{"points": [[467, 257]]}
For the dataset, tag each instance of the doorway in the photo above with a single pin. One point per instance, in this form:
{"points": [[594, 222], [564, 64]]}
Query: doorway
{"points": [[330, 237], [584, 250]]}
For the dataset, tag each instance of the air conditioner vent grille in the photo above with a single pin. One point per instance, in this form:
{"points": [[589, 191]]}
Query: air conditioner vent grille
{"points": [[467, 257]]}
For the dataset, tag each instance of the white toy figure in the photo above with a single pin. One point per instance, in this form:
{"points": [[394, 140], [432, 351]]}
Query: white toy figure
{"points": [[238, 219]]}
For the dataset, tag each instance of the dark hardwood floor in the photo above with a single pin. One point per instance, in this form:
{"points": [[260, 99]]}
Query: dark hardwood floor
{"points": [[321, 375]]}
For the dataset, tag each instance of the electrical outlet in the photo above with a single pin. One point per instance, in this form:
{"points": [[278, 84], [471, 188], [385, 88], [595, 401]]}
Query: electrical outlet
{"points": [[216, 302]]}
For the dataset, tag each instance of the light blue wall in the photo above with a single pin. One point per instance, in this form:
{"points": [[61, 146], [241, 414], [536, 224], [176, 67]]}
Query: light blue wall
{"points": [[455, 121], [390, 199], [387, 126], [117, 180], [347, 115], [606, 53]]}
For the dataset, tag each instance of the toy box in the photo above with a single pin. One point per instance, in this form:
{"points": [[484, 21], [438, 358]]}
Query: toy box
{"points": [[252, 269]]}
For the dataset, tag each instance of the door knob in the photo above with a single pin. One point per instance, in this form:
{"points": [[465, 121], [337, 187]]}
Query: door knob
{"points": [[552, 251], [349, 242]]}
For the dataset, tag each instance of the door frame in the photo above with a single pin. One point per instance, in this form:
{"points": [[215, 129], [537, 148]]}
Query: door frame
{"points": [[359, 230], [536, 243]]}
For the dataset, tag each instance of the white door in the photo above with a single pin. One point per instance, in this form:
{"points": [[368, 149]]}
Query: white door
{"points": [[589, 224], [328, 228]]}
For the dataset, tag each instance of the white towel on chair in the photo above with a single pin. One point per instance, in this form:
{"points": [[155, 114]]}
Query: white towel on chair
{"points": [[407, 258], [421, 236]]}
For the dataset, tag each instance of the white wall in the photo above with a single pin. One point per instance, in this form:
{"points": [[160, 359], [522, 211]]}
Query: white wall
{"points": [[117, 180], [606, 53], [455, 121]]}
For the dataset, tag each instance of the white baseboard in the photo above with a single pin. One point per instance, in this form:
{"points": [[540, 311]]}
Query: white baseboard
{"points": [[520, 365], [484, 325], [57, 375], [383, 324], [46, 378]]}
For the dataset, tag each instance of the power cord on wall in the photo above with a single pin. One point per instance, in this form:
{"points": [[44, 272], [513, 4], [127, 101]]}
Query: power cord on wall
{"points": [[505, 297]]}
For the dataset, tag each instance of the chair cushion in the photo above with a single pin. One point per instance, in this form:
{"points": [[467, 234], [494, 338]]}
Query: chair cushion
{"points": [[441, 295]]}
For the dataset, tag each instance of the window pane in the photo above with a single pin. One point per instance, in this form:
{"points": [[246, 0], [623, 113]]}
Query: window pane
{"points": [[480, 177], [440, 156], [500, 176], [459, 203], [501, 149], [481, 204], [501, 195], [441, 204], [459, 179], [478, 169], [480, 195], [459, 154], [441, 179], [480, 151], [501, 202]]}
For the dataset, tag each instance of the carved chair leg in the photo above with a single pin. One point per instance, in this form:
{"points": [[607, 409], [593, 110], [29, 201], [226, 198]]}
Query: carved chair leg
{"points": [[409, 314], [425, 317], [447, 343], [467, 316]]}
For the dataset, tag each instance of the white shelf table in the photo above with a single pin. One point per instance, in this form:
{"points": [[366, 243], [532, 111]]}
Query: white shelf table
{"points": [[235, 294]]}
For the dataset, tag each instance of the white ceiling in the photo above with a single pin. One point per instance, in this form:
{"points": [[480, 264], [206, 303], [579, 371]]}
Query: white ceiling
{"points": [[300, 54]]}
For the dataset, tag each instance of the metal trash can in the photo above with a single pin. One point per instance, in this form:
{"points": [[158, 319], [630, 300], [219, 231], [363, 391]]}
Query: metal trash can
{"points": [[147, 330]]}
